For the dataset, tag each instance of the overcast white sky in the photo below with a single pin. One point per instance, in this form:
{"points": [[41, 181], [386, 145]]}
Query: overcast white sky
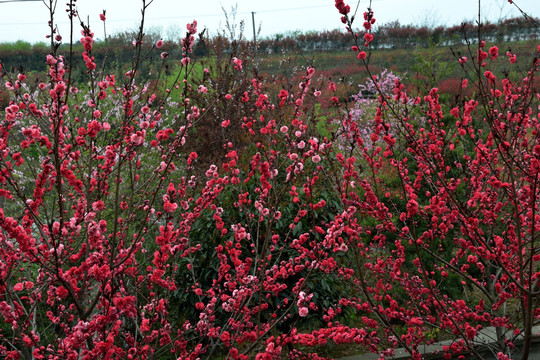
{"points": [[27, 20]]}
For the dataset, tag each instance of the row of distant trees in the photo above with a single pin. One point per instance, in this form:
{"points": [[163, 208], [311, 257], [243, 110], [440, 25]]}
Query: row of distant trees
{"points": [[118, 47], [396, 35]]}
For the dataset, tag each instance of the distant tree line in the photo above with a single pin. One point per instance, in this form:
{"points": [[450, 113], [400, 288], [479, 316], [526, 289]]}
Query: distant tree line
{"points": [[394, 35], [398, 36]]}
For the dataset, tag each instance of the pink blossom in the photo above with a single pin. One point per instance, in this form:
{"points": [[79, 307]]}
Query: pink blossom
{"points": [[170, 207], [18, 287], [368, 37], [138, 137], [494, 52], [98, 205], [192, 27], [237, 63], [511, 57]]}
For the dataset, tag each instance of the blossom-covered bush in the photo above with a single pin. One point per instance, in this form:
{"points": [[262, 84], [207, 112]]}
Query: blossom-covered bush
{"points": [[115, 244], [364, 110]]}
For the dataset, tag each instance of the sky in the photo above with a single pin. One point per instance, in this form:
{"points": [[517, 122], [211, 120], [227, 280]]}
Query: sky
{"points": [[27, 19]]}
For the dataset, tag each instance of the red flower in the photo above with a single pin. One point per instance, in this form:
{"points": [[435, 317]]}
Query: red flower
{"points": [[368, 37]]}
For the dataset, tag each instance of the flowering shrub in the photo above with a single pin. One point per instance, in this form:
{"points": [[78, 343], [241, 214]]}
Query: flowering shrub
{"points": [[364, 110], [114, 243], [111, 231], [462, 208]]}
